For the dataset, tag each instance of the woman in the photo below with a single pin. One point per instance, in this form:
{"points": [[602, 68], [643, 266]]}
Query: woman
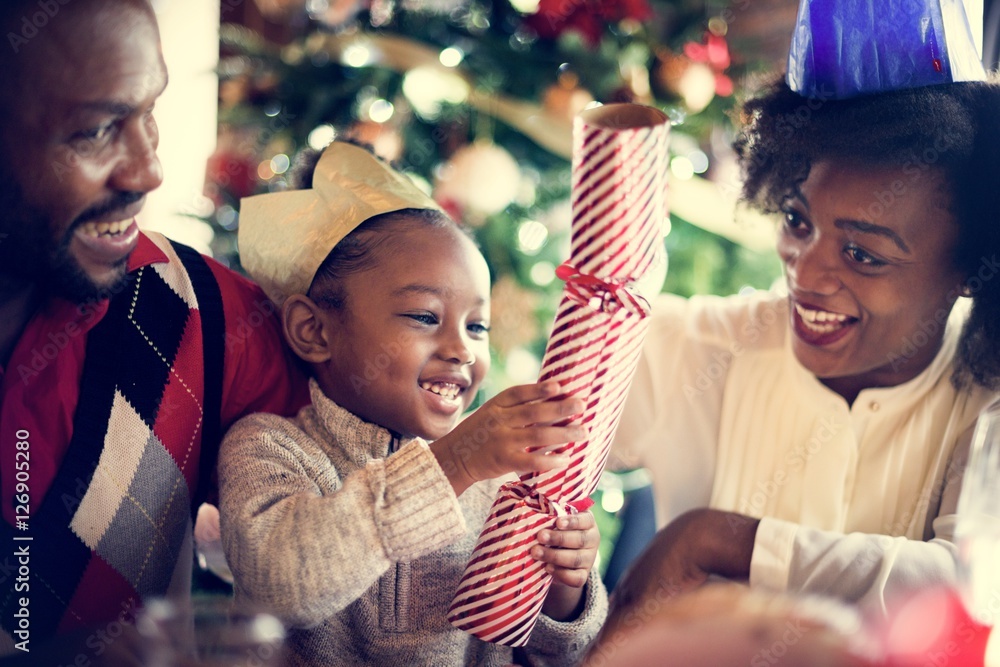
{"points": [[814, 441]]}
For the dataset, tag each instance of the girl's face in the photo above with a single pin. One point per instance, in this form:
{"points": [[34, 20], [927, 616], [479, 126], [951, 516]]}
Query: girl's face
{"points": [[411, 345], [868, 259]]}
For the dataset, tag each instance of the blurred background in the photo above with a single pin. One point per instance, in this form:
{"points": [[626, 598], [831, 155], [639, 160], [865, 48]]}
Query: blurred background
{"points": [[474, 99]]}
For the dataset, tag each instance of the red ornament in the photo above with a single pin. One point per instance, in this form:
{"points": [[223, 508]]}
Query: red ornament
{"points": [[452, 208], [588, 17], [230, 173], [714, 53]]}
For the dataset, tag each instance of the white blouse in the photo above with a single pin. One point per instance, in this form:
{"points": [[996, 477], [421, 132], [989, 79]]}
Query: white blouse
{"points": [[857, 501]]}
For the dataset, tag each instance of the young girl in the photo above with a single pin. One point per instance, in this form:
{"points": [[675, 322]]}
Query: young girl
{"points": [[345, 521]]}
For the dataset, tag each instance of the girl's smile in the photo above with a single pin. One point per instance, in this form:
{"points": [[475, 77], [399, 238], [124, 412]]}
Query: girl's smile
{"points": [[409, 347]]}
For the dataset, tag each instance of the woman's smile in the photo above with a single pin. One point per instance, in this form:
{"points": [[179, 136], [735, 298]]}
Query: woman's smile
{"points": [[820, 327]]}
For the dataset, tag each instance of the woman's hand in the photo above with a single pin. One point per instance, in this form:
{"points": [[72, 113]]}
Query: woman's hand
{"points": [[684, 554], [569, 551]]}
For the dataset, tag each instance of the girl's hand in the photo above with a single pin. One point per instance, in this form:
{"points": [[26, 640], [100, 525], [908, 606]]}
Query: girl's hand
{"points": [[569, 552], [514, 431]]}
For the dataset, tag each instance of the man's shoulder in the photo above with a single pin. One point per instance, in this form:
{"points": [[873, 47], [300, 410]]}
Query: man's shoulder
{"points": [[238, 291]]}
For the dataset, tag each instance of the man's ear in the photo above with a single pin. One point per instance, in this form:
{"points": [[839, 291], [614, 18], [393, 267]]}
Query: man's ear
{"points": [[307, 328]]}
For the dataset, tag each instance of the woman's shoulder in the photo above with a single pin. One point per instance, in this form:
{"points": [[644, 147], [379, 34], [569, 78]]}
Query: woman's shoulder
{"points": [[757, 318]]}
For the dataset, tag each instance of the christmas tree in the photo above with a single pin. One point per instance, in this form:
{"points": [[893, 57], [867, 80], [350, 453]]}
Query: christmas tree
{"points": [[475, 101]]}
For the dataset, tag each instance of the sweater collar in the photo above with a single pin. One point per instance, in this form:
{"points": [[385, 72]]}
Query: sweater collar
{"points": [[146, 252], [359, 439]]}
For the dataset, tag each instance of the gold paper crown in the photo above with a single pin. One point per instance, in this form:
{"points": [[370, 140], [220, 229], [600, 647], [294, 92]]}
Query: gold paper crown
{"points": [[284, 237]]}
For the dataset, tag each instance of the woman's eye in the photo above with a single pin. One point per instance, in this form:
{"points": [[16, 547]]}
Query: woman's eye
{"points": [[479, 328], [794, 221], [860, 256]]}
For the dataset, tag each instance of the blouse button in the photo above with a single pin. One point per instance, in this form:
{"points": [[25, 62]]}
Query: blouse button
{"points": [[873, 406]]}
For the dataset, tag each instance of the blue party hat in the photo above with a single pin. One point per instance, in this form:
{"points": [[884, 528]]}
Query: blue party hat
{"points": [[844, 48]]}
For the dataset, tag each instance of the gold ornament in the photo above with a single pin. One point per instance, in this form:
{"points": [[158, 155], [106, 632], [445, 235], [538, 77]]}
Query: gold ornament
{"points": [[690, 80], [513, 323], [565, 99]]}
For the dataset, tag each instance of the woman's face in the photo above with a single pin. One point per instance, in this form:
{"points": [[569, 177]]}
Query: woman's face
{"points": [[868, 259]]}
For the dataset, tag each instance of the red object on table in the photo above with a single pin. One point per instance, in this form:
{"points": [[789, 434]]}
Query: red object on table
{"points": [[933, 629]]}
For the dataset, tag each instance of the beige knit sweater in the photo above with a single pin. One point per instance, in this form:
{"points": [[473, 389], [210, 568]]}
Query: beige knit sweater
{"points": [[359, 551]]}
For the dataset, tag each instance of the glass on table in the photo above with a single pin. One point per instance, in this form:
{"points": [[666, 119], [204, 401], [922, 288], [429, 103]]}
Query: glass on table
{"points": [[209, 632]]}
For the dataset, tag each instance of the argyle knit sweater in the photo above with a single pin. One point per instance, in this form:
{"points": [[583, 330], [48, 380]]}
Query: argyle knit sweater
{"points": [[359, 545], [114, 526]]}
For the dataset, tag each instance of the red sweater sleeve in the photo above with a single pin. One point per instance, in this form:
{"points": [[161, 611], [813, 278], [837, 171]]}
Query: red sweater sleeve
{"points": [[260, 373]]}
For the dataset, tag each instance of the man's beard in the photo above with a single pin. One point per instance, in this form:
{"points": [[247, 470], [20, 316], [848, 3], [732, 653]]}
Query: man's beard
{"points": [[69, 281], [30, 257]]}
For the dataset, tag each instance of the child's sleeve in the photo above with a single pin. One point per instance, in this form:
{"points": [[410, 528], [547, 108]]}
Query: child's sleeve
{"points": [[304, 555], [556, 643]]}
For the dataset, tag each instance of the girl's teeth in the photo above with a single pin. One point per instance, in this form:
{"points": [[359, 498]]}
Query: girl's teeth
{"points": [[445, 389]]}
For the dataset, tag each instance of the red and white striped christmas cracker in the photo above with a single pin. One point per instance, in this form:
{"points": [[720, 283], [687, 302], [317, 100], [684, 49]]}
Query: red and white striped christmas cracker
{"points": [[619, 213]]}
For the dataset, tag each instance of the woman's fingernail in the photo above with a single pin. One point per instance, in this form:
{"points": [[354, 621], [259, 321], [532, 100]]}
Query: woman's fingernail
{"points": [[544, 537], [561, 523], [536, 553]]}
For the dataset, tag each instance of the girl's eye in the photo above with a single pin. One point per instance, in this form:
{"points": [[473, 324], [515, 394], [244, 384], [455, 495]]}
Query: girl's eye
{"points": [[860, 256], [478, 328], [428, 319]]}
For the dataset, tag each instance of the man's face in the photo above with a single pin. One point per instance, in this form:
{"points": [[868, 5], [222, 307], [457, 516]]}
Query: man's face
{"points": [[79, 149]]}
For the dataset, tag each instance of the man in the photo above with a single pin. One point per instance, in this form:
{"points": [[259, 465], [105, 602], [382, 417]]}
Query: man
{"points": [[120, 353]]}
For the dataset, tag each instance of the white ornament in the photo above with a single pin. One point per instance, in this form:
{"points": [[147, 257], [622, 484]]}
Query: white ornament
{"points": [[480, 177], [697, 86], [434, 6]]}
